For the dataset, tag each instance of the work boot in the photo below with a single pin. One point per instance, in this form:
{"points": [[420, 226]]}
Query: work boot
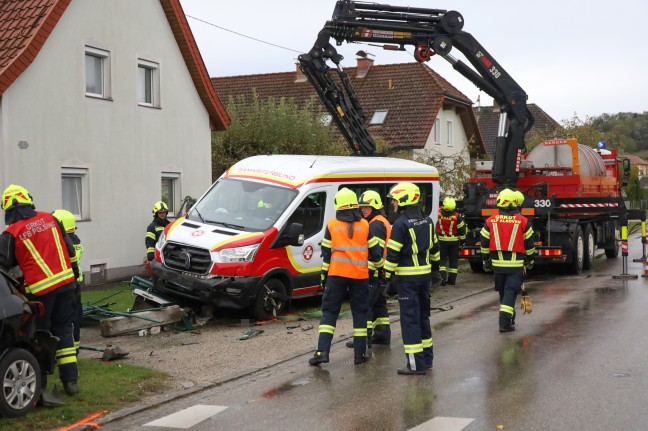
{"points": [[407, 371], [360, 359], [508, 328], [452, 279], [381, 340], [319, 358], [71, 387], [349, 343]]}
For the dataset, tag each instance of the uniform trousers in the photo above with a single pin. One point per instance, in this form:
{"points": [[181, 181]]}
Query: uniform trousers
{"points": [[414, 301]]}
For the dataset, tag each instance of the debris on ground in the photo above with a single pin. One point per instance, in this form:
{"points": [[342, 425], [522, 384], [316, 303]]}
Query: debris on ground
{"points": [[252, 332]]}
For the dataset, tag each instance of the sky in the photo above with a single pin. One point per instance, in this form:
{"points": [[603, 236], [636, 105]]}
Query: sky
{"points": [[571, 57]]}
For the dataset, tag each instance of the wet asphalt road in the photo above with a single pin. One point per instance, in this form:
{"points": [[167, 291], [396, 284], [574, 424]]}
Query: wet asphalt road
{"points": [[579, 362]]}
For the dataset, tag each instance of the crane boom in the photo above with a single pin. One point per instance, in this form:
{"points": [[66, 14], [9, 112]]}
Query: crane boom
{"points": [[430, 32]]}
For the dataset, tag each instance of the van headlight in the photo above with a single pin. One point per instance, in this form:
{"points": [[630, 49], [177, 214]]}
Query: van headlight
{"points": [[236, 254], [161, 241]]}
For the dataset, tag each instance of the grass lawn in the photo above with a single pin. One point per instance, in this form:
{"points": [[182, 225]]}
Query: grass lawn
{"points": [[116, 297], [103, 386]]}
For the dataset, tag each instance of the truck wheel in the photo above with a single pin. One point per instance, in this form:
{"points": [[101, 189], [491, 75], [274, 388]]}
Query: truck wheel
{"points": [[271, 301], [613, 252], [21, 374], [477, 267], [590, 246], [578, 251]]}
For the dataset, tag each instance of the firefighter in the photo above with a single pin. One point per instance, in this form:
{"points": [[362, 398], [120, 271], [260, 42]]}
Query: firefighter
{"points": [[378, 329], [412, 255], [347, 248], [507, 247], [68, 221], [36, 242], [155, 229], [451, 233]]}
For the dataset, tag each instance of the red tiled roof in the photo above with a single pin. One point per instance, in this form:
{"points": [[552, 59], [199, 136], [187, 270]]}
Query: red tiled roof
{"points": [[488, 119], [25, 25], [635, 160], [413, 94]]}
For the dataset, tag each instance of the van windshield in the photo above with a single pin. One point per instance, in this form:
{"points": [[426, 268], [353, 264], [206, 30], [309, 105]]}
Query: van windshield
{"points": [[242, 205]]}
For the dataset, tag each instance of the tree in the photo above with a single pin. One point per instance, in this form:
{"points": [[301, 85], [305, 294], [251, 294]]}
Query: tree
{"points": [[454, 170], [272, 126]]}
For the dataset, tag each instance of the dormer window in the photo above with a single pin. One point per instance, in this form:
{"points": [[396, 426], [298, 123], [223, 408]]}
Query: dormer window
{"points": [[379, 117]]}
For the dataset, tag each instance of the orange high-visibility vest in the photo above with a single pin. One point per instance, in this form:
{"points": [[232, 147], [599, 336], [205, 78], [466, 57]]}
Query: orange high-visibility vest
{"points": [[507, 232], [41, 253], [349, 256]]}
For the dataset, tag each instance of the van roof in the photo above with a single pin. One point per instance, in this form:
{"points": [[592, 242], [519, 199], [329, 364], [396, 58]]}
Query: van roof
{"points": [[296, 170]]}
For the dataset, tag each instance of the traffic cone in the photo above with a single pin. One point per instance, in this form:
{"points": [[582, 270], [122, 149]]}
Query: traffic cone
{"points": [[645, 274]]}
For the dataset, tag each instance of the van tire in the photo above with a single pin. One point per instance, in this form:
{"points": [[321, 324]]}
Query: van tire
{"points": [[271, 300]]}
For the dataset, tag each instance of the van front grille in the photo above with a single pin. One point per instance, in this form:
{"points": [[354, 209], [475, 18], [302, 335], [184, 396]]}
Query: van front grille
{"points": [[186, 258]]}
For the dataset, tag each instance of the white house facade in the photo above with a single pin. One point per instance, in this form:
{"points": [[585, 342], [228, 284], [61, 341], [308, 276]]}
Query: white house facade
{"points": [[108, 118]]}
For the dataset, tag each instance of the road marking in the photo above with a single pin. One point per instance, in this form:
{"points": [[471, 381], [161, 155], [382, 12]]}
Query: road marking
{"points": [[441, 423], [187, 418]]}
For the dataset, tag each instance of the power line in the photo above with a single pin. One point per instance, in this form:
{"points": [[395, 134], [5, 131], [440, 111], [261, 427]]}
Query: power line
{"points": [[243, 35]]}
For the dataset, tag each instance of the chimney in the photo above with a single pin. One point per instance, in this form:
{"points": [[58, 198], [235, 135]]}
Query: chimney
{"points": [[364, 64], [299, 75]]}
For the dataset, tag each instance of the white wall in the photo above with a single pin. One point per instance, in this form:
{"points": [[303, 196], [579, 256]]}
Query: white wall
{"points": [[459, 141], [124, 146]]}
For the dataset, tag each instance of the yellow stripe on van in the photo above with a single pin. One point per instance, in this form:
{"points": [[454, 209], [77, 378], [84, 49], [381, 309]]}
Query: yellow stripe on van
{"points": [[236, 238], [297, 266], [174, 225]]}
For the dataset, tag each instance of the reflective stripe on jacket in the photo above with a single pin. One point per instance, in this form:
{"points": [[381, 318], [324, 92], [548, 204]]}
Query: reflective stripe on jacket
{"points": [[507, 239], [41, 253], [412, 244], [450, 228]]}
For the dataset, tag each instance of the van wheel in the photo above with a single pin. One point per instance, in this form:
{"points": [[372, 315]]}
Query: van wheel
{"points": [[588, 236], [271, 301], [21, 376]]}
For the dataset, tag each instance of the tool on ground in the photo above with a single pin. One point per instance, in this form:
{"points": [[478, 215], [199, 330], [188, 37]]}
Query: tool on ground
{"points": [[252, 332], [110, 353], [525, 301]]}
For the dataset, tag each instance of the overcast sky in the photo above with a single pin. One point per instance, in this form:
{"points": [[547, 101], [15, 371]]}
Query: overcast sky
{"points": [[584, 57]]}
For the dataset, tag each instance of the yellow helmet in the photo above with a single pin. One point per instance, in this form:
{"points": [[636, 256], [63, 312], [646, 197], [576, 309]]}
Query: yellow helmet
{"points": [[370, 198], [449, 204], [519, 198], [160, 206], [345, 199], [405, 194], [15, 195], [67, 219], [507, 199]]}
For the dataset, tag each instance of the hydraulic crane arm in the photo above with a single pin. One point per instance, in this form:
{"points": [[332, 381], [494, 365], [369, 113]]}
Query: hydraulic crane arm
{"points": [[430, 32]]}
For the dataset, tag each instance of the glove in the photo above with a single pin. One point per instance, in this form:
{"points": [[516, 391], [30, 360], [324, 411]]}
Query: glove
{"points": [[525, 302], [462, 243], [487, 265], [528, 265], [323, 277], [382, 278]]}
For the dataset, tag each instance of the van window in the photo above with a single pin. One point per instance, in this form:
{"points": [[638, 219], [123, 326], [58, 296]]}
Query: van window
{"points": [[382, 189], [310, 213], [242, 205]]}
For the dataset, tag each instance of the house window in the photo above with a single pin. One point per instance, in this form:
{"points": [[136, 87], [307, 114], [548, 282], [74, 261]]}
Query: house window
{"points": [[171, 191], [379, 117], [436, 132], [75, 190], [97, 70], [450, 138], [148, 83]]}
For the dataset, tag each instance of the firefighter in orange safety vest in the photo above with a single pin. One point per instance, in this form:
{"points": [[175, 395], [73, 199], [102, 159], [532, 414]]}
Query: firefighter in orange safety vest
{"points": [[412, 255], [507, 247], [37, 243], [451, 233], [347, 248], [378, 328]]}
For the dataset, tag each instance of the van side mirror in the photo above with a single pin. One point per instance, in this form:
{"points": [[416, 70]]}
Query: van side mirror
{"points": [[291, 235]]}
